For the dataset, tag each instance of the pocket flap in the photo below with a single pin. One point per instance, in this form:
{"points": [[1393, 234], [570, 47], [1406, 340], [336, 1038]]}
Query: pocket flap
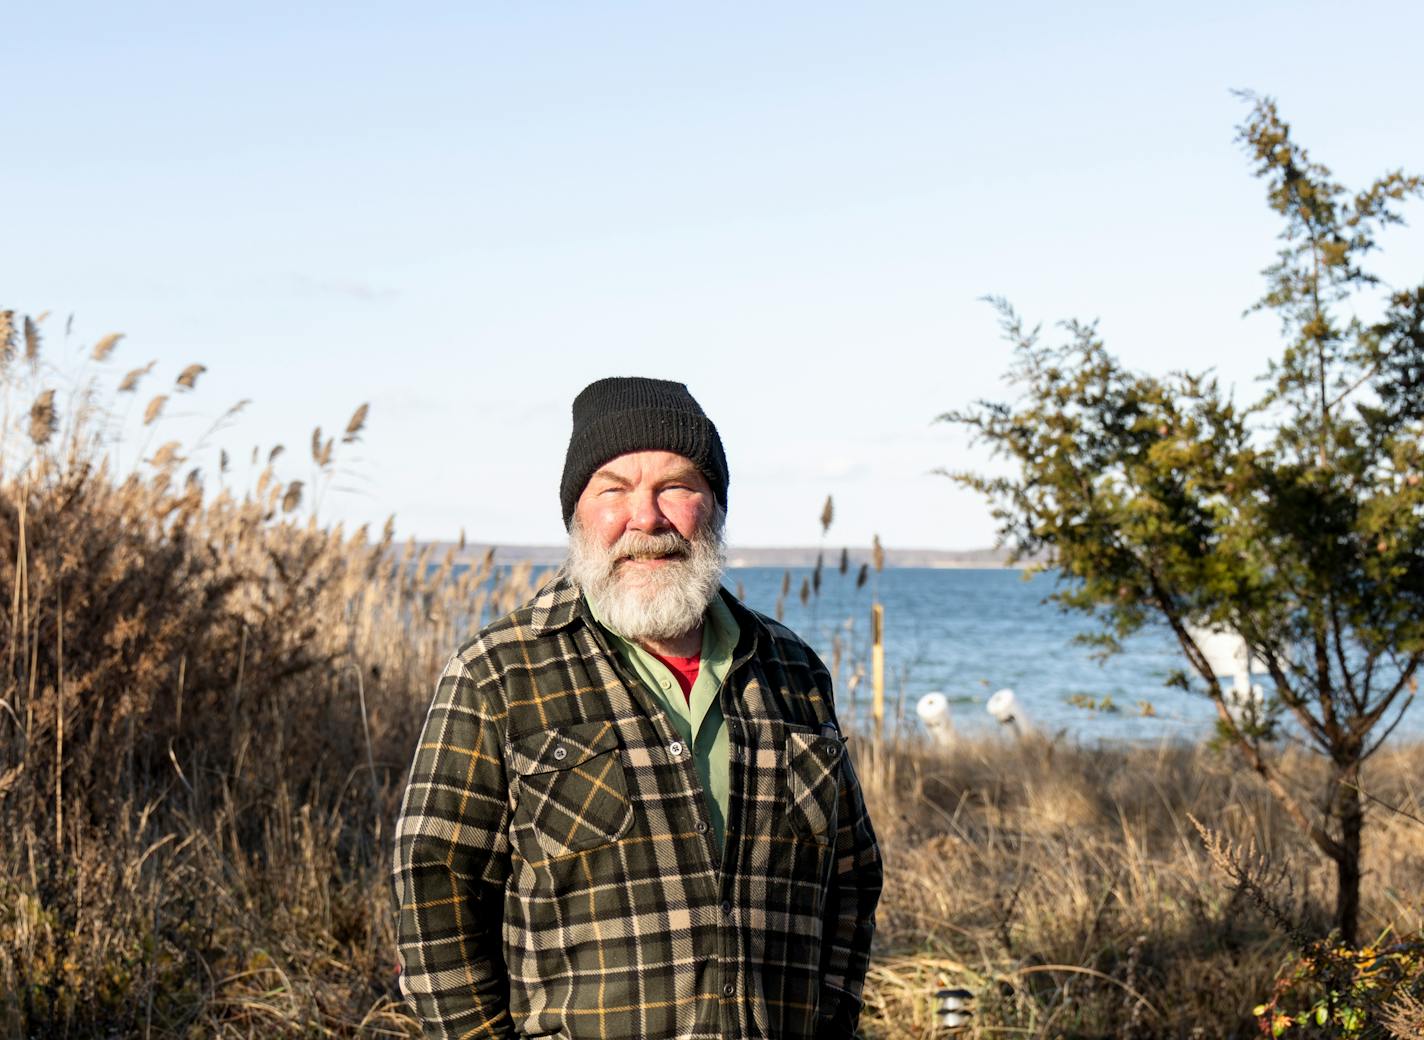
{"points": [[563, 747], [813, 755]]}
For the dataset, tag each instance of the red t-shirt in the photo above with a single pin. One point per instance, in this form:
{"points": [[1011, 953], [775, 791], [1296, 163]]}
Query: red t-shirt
{"points": [[685, 670]]}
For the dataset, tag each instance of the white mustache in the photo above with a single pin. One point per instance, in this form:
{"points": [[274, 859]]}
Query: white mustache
{"points": [[637, 546]]}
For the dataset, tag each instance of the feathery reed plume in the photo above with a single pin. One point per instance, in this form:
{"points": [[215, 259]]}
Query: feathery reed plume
{"points": [[828, 513], [155, 407], [43, 419], [1256, 875], [316, 445], [785, 582], [353, 428], [272, 455], [293, 496], [323, 459], [816, 574], [7, 337], [105, 346], [805, 591], [32, 340], [188, 378], [845, 560], [462, 539], [129, 383], [877, 554], [222, 460], [167, 455], [863, 576], [223, 421]]}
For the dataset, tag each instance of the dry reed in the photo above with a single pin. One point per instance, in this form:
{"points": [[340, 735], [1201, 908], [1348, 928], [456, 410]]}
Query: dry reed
{"points": [[205, 715], [105, 346]]}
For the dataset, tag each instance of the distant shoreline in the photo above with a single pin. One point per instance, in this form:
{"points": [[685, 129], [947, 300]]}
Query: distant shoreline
{"points": [[754, 556]]}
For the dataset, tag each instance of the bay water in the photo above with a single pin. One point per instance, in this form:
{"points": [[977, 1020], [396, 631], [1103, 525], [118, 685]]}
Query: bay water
{"points": [[967, 633]]}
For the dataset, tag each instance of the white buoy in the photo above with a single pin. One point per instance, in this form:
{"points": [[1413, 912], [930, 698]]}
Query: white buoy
{"points": [[1227, 654], [933, 710], [1009, 712], [1228, 657]]}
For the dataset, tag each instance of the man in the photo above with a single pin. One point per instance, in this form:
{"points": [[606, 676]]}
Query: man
{"points": [[631, 814]]}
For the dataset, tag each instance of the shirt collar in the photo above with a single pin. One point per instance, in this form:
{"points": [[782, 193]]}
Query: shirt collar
{"points": [[556, 605]]}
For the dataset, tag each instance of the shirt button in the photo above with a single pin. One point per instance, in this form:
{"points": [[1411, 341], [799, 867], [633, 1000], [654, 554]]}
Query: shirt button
{"points": [[667, 685], [701, 827], [675, 748], [727, 907], [561, 753], [728, 990]]}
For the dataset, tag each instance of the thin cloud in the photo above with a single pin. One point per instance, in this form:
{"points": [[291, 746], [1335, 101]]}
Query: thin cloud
{"points": [[350, 288]]}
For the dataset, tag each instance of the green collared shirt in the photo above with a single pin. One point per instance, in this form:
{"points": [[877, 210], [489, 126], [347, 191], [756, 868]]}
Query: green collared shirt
{"points": [[698, 716]]}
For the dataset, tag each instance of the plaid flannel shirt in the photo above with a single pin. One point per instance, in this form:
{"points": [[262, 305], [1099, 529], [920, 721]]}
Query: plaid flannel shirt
{"points": [[555, 872]]}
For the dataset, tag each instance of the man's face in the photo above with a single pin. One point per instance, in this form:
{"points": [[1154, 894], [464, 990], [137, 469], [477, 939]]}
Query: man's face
{"points": [[645, 544], [644, 493]]}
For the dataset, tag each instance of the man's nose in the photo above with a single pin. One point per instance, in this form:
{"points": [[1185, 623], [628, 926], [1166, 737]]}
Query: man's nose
{"points": [[646, 515]]}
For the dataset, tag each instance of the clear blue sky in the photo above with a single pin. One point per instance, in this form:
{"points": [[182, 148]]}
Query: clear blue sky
{"points": [[462, 213]]}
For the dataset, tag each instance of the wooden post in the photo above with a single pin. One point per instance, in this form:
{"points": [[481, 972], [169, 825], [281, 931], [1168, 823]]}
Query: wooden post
{"points": [[877, 667]]}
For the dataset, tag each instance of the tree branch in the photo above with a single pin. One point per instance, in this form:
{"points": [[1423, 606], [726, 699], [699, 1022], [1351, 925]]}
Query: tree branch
{"points": [[1294, 701], [1371, 749], [1324, 688], [1362, 724], [1334, 610]]}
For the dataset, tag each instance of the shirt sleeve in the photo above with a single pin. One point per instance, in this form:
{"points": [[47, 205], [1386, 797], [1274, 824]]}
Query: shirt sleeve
{"points": [[451, 862]]}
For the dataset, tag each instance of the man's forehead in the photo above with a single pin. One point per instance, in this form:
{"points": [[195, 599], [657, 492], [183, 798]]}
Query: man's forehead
{"points": [[646, 464]]}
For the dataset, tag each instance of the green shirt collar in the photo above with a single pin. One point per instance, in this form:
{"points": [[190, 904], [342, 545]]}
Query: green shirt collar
{"points": [[720, 635]]}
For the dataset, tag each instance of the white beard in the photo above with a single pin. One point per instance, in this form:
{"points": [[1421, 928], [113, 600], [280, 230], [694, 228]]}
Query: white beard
{"points": [[654, 603]]}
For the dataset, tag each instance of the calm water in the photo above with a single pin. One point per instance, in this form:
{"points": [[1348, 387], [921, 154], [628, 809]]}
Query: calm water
{"points": [[967, 633]]}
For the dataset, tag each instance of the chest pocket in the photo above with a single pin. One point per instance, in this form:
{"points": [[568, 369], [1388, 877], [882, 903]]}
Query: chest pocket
{"points": [[572, 795], [813, 761]]}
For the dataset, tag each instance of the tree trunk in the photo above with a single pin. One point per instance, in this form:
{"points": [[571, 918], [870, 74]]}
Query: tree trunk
{"points": [[1351, 814]]}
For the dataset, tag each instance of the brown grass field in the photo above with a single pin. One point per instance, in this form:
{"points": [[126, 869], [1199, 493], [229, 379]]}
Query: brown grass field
{"points": [[210, 700]]}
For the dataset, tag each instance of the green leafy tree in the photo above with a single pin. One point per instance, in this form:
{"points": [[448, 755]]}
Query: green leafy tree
{"points": [[1294, 520]]}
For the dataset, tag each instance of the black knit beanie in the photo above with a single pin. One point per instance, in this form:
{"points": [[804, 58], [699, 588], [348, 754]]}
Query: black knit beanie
{"points": [[628, 413]]}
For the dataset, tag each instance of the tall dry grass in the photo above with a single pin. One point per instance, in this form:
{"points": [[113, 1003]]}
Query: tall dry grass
{"points": [[1069, 889], [208, 705], [205, 713]]}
